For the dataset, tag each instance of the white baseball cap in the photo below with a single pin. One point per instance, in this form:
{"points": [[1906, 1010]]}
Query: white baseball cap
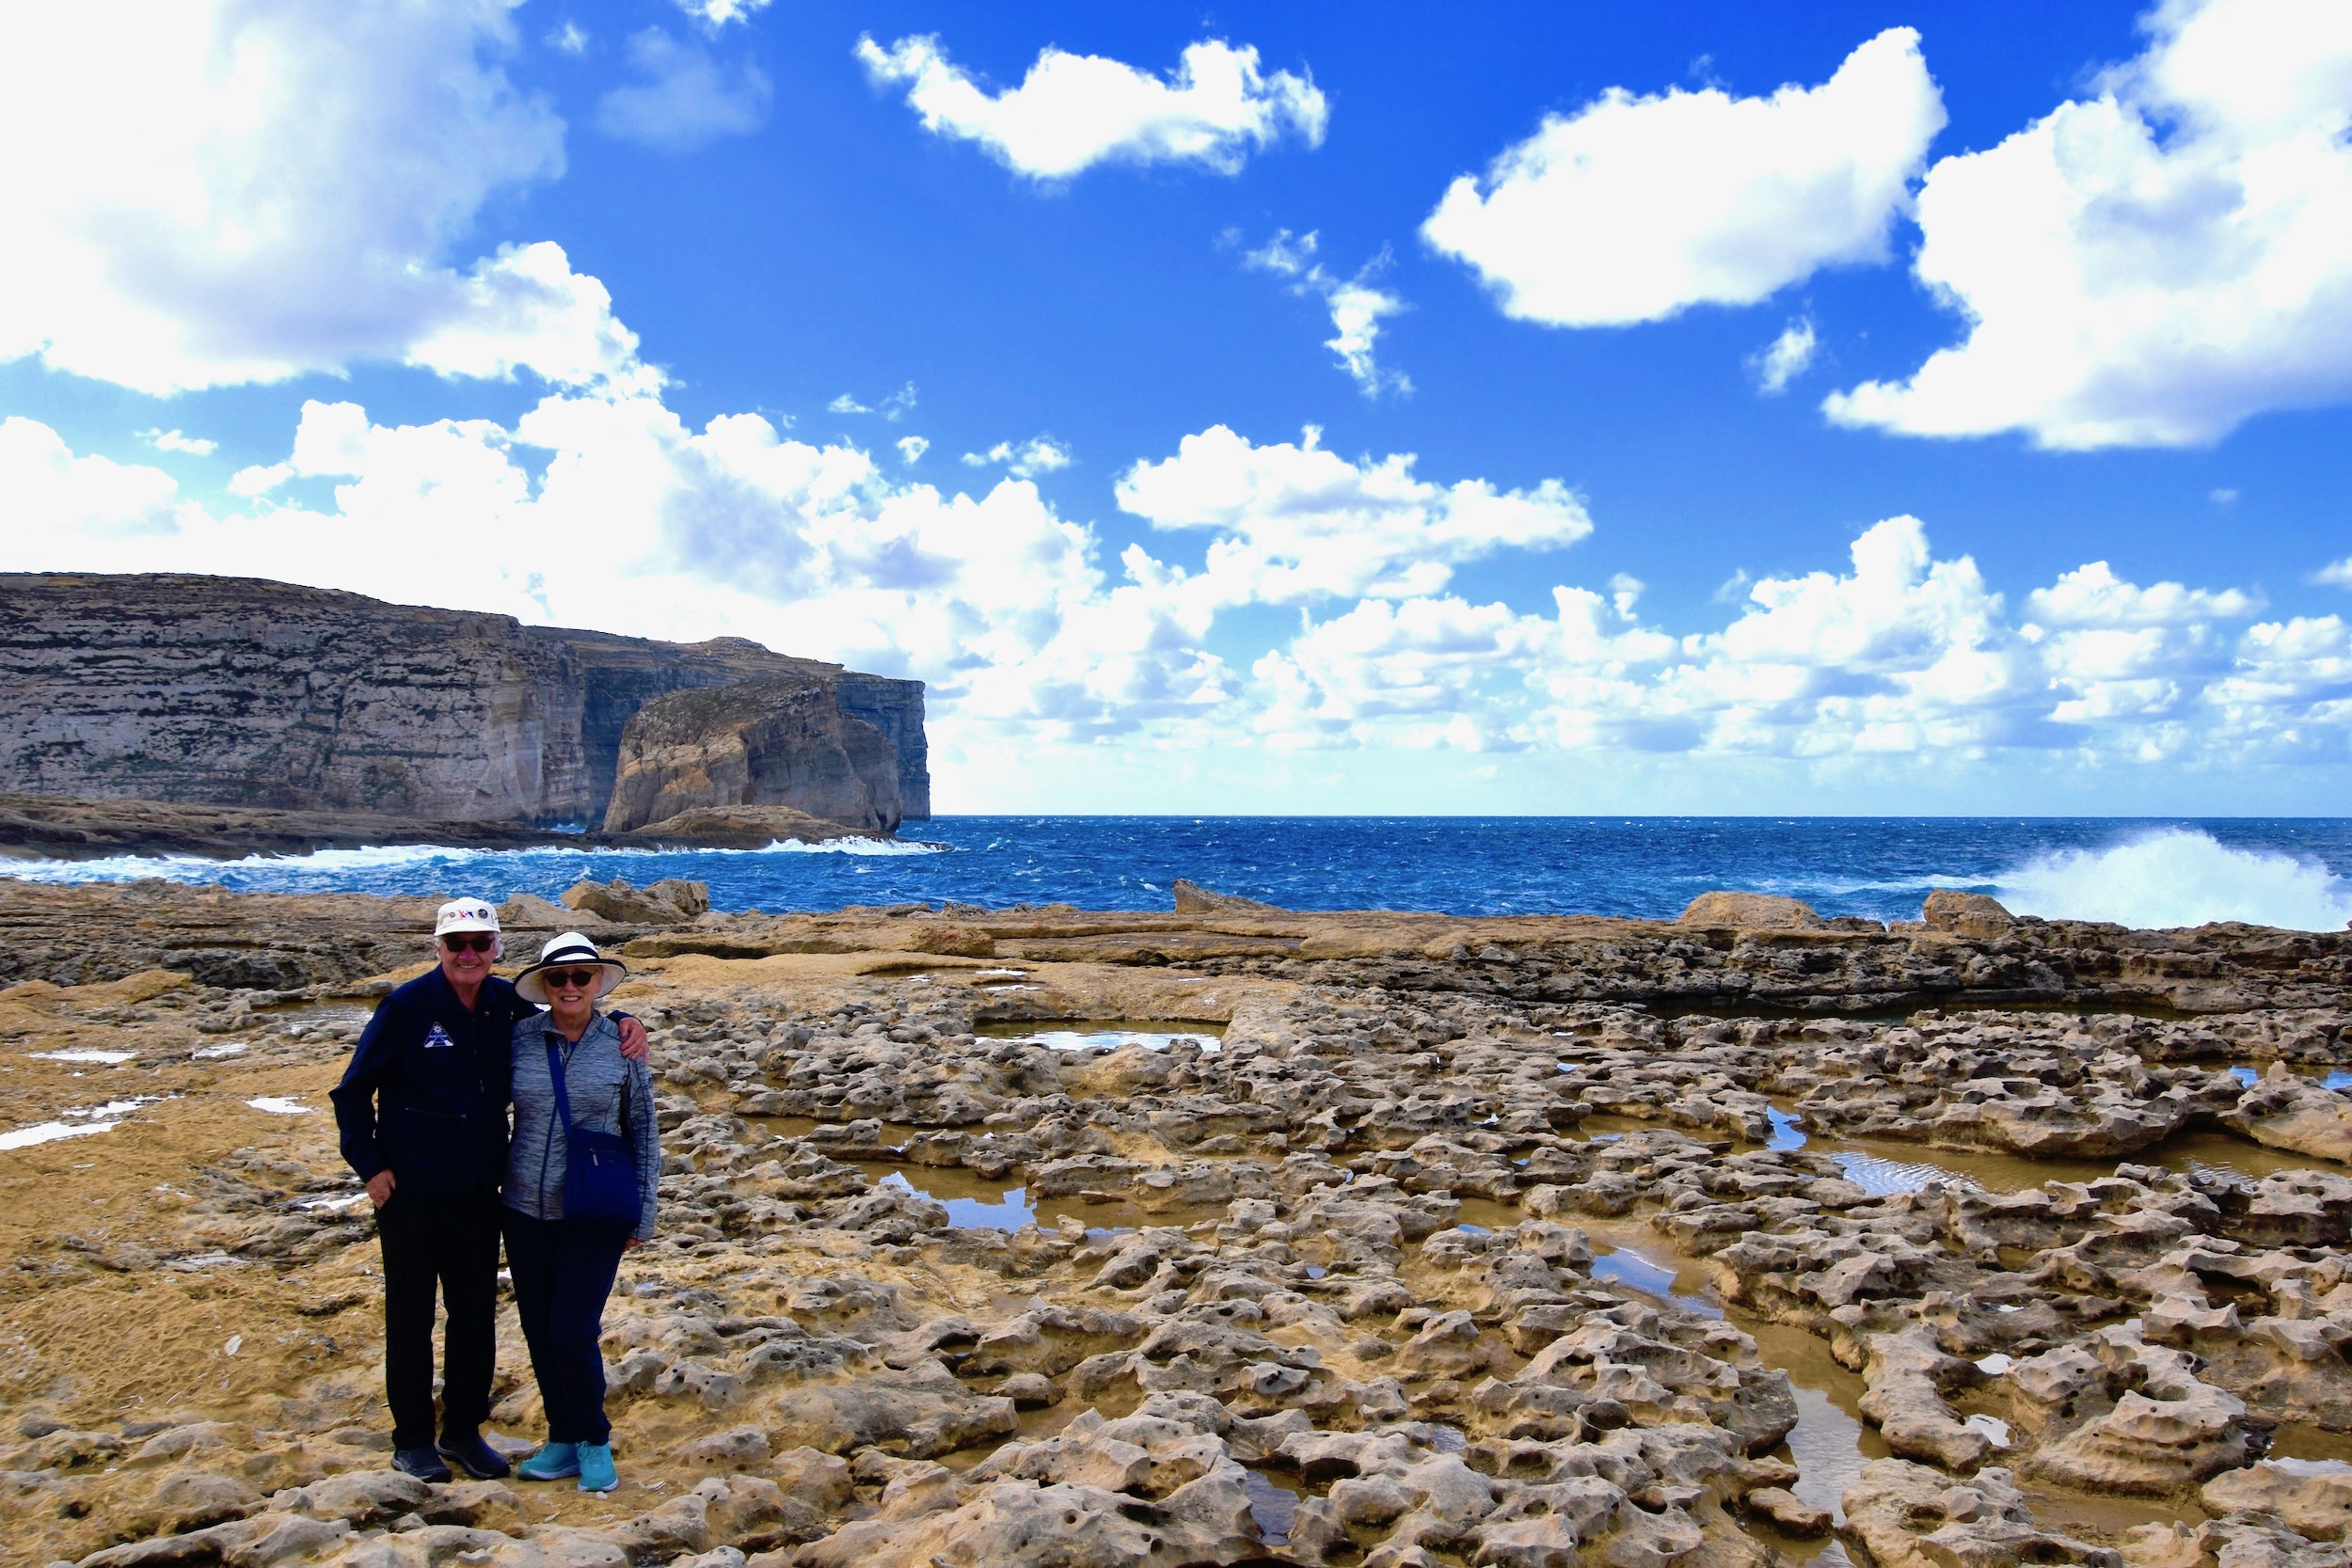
{"points": [[464, 915]]}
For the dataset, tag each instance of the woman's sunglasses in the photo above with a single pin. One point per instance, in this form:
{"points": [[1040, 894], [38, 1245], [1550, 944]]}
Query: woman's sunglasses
{"points": [[482, 943], [570, 979]]}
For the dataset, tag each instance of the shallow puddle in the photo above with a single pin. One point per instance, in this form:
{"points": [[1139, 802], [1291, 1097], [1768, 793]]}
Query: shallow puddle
{"points": [[298, 1019], [1087, 1034], [1831, 1442], [2251, 1073], [1484, 1213], [50, 1132], [1011, 1210], [1273, 1505], [2322, 1452], [1642, 1261], [977, 1202], [889, 1135], [1885, 1166]]}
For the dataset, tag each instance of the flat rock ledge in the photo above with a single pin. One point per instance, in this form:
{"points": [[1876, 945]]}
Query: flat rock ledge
{"points": [[1393, 1240]]}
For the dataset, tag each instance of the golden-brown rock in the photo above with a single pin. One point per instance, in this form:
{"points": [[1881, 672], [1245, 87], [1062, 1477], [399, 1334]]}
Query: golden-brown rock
{"points": [[1760, 910], [1971, 914]]}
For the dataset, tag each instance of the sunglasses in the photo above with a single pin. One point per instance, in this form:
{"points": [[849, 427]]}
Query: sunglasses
{"points": [[482, 943], [570, 979]]}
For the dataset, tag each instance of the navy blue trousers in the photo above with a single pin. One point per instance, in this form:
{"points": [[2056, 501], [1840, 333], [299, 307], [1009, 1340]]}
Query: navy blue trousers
{"points": [[447, 1245], [564, 1272]]}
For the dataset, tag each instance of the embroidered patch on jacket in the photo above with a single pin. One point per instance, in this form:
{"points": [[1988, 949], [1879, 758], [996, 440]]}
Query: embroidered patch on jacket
{"points": [[438, 1036]]}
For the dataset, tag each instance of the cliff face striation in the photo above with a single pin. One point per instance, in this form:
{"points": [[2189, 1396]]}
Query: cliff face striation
{"points": [[747, 744], [241, 692]]}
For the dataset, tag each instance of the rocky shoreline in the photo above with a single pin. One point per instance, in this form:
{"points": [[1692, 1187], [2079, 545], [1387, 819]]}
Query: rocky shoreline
{"points": [[1358, 1239], [50, 827]]}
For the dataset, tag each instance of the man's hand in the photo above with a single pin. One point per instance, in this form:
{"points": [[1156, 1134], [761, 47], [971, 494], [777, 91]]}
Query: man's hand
{"points": [[633, 1043], [380, 1188]]}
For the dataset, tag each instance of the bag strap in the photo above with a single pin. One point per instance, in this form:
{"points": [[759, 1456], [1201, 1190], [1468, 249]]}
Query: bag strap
{"points": [[563, 1099]]}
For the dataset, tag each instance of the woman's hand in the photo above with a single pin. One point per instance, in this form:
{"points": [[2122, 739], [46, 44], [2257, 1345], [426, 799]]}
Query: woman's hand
{"points": [[633, 1243]]}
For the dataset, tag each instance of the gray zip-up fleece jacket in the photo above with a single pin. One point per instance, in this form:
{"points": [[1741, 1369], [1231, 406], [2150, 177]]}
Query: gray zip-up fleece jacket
{"points": [[597, 1078]]}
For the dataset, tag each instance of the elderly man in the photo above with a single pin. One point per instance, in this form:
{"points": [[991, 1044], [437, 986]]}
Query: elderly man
{"points": [[422, 1114]]}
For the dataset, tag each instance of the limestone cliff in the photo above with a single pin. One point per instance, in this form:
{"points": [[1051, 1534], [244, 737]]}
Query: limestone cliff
{"points": [[241, 692], [759, 744]]}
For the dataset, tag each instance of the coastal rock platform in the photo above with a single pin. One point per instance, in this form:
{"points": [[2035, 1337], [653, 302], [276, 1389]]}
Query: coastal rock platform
{"points": [[1236, 1236]]}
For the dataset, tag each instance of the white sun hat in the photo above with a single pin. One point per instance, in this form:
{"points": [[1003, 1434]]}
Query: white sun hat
{"points": [[569, 951], [464, 915]]}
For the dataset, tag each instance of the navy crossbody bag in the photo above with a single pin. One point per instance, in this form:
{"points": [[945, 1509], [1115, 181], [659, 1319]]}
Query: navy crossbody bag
{"points": [[600, 1168]]}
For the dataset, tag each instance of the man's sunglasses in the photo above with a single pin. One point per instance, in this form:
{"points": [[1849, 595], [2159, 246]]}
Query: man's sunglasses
{"points": [[570, 979], [482, 943]]}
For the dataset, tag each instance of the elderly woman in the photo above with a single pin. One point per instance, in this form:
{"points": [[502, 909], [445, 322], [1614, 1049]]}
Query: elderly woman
{"points": [[581, 1180]]}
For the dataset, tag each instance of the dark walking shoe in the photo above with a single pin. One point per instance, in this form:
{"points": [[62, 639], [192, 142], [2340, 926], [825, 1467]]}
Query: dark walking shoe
{"points": [[424, 1463], [470, 1454]]}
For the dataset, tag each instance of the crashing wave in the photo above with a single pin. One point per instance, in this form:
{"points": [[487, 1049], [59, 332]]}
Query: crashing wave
{"points": [[2179, 876]]}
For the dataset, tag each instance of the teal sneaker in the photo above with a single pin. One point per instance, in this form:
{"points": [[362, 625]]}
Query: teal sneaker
{"points": [[597, 1473], [554, 1462]]}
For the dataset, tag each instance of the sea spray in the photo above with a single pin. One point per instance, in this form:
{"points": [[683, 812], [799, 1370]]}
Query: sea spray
{"points": [[2179, 876]]}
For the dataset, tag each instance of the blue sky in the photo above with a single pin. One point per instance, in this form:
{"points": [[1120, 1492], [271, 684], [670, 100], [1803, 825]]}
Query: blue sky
{"points": [[1314, 408]]}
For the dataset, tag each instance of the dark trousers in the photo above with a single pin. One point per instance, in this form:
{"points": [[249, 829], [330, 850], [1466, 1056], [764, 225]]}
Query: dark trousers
{"points": [[452, 1242], [564, 1272]]}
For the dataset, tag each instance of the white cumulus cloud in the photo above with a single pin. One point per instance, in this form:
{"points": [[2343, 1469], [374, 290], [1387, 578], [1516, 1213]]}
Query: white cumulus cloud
{"points": [[2336, 573], [1294, 523], [684, 98], [1040, 454], [911, 448], [2154, 265], [1785, 358], [1635, 208], [718, 13], [62, 503], [1074, 111], [1903, 656], [244, 192], [893, 407], [172, 440], [525, 309], [1357, 307], [2093, 596]]}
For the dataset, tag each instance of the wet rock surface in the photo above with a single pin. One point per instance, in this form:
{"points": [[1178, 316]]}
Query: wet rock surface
{"points": [[1427, 1241]]}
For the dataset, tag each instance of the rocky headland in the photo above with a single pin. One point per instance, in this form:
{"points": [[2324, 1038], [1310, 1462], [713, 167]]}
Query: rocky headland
{"points": [[1233, 1235], [254, 696]]}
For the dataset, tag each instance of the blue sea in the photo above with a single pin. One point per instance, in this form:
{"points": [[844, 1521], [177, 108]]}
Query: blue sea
{"points": [[2150, 873]]}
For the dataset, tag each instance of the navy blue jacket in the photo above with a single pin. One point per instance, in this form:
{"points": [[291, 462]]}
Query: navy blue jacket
{"points": [[426, 1092]]}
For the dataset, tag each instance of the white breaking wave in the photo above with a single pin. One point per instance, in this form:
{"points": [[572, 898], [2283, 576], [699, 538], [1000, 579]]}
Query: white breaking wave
{"points": [[322, 862], [339, 867], [846, 846], [2179, 876]]}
